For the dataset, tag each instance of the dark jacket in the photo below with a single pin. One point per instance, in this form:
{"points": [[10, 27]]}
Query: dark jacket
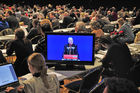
{"points": [[128, 35], [118, 55], [66, 21], [2, 58], [3, 25], [70, 50], [41, 47], [32, 33], [22, 49], [13, 22]]}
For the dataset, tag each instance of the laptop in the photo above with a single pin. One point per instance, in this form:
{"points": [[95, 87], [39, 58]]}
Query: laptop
{"points": [[8, 77]]}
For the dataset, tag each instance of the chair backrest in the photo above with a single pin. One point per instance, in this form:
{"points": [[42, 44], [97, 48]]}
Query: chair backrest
{"points": [[71, 25], [108, 28], [7, 31], [35, 39], [90, 79], [98, 88]]}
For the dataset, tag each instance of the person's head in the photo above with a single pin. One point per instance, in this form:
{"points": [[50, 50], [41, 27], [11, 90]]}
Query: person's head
{"points": [[98, 16], [19, 33], [36, 64], [80, 26], [70, 40], [35, 16], [105, 41], [119, 85], [95, 25], [46, 26], [35, 22], [9, 13], [120, 21]]}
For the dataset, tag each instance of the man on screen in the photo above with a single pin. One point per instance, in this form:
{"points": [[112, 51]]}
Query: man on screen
{"points": [[70, 50]]}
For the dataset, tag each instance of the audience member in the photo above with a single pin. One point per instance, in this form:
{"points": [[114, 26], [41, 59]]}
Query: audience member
{"points": [[25, 19], [35, 30], [22, 48], [80, 27], [124, 34], [102, 20], [118, 60], [137, 19], [119, 85], [96, 29], [3, 24], [67, 21], [114, 14], [41, 82], [12, 20], [137, 38], [41, 45]]}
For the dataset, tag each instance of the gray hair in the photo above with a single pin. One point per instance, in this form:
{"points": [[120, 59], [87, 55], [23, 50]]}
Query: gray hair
{"points": [[80, 26]]}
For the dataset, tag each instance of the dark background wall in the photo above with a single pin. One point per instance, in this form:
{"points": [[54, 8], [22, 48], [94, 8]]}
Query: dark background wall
{"points": [[77, 3]]}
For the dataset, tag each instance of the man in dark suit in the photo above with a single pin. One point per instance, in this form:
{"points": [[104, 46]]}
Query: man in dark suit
{"points": [[70, 48], [70, 51]]}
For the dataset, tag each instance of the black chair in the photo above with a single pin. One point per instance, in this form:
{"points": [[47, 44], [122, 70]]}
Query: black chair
{"points": [[71, 25], [98, 88], [35, 39], [88, 81], [108, 28], [7, 31]]}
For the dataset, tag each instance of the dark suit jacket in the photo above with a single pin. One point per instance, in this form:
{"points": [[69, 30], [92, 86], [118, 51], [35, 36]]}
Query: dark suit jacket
{"points": [[70, 50]]}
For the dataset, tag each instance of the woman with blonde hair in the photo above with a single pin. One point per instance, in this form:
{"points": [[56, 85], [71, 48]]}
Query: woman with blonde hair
{"points": [[41, 82]]}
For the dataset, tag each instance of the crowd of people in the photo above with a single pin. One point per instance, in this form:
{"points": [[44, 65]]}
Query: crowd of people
{"points": [[41, 19]]}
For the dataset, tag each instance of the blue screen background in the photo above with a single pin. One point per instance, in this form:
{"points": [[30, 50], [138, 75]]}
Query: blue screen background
{"points": [[56, 43]]}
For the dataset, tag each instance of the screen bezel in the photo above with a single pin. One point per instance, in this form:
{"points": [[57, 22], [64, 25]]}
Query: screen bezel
{"points": [[15, 82], [71, 62]]}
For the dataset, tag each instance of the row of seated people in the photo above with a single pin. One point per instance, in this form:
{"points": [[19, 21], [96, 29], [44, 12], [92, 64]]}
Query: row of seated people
{"points": [[123, 35], [10, 18], [24, 46]]}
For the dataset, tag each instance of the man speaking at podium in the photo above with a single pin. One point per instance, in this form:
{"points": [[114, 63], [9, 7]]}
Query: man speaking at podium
{"points": [[70, 51]]}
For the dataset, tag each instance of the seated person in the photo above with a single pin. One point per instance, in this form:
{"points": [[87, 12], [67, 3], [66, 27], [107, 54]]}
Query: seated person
{"points": [[96, 29], [118, 60], [3, 24], [41, 82], [124, 33], [137, 38], [80, 27], [41, 45], [119, 85], [35, 30], [70, 48]]}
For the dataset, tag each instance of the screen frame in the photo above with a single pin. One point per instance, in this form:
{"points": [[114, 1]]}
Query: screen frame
{"points": [[71, 62], [15, 82]]}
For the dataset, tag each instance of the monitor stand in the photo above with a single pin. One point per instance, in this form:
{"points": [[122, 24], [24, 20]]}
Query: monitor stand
{"points": [[69, 67]]}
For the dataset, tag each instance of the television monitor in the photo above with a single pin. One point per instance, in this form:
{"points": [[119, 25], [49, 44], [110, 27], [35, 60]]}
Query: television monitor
{"points": [[70, 51]]}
